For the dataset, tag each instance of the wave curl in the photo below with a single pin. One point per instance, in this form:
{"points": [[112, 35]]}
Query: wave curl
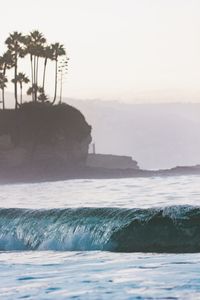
{"points": [[172, 229]]}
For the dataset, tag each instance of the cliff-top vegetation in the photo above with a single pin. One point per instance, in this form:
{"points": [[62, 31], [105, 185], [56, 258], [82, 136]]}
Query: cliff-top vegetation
{"points": [[40, 53]]}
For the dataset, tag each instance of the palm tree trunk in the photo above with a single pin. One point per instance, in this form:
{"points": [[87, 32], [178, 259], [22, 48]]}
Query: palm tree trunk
{"points": [[21, 93], [3, 102], [61, 83], [4, 70], [31, 58], [56, 80], [15, 77], [3, 90], [37, 64], [44, 73], [34, 69], [34, 79]]}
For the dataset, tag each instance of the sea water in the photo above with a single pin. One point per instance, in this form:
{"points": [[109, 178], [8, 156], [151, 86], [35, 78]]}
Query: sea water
{"points": [[136, 238]]}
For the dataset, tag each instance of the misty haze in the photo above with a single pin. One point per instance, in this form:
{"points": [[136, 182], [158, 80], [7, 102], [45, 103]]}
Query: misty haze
{"points": [[158, 136]]}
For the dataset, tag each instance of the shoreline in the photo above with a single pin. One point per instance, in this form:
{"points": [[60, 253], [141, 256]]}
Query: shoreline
{"points": [[38, 174]]}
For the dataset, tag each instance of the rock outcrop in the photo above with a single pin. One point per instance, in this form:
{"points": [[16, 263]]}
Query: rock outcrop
{"points": [[42, 134], [111, 162]]}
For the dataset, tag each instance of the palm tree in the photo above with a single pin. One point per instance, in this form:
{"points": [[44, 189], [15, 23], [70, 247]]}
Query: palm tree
{"points": [[21, 78], [6, 62], [42, 97], [15, 43], [38, 53], [35, 45], [35, 42], [62, 69], [47, 54], [30, 51], [3, 81], [32, 90], [58, 50]]}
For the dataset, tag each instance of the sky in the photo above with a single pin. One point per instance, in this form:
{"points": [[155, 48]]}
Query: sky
{"points": [[125, 50]]}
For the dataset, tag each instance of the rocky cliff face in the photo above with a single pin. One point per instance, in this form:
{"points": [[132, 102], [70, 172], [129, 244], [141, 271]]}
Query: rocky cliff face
{"points": [[42, 134]]}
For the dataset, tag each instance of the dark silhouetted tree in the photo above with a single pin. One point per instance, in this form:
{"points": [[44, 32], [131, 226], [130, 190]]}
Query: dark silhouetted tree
{"points": [[35, 43], [15, 43], [42, 97], [6, 63], [21, 78], [34, 89], [58, 50], [62, 70], [47, 54], [3, 81]]}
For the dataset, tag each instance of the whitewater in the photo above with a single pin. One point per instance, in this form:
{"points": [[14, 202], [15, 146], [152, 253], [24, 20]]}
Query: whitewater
{"points": [[134, 238]]}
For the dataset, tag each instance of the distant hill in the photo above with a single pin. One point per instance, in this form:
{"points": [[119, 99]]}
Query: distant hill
{"points": [[156, 135]]}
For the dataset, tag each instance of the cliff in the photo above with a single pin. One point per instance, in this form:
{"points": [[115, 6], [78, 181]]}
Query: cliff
{"points": [[43, 135]]}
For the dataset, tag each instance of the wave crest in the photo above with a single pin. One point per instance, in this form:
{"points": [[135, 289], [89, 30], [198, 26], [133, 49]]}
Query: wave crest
{"points": [[170, 229]]}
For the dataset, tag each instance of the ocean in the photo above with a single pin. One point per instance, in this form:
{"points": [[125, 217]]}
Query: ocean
{"points": [[133, 238]]}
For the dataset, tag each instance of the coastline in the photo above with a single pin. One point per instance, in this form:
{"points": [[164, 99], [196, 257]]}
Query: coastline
{"points": [[36, 174]]}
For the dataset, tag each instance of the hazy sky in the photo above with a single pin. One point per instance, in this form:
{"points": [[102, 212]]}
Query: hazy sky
{"points": [[132, 50]]}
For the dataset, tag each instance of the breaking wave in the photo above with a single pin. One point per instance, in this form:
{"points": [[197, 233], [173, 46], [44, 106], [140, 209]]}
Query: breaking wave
{"points": [[171, 229]]}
